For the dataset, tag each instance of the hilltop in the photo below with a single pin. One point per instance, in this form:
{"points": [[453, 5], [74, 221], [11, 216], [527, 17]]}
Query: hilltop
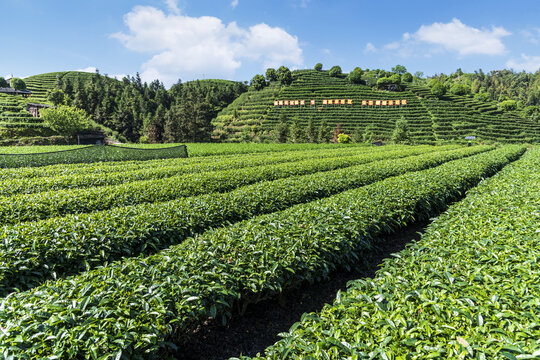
{"points": [[430, 119]]}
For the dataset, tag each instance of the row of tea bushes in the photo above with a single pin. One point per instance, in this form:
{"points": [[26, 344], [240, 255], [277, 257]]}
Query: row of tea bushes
{"points": [[102, 175], [468, 289], [133, 307], [36, 251], [42, 205], [123, 166]]}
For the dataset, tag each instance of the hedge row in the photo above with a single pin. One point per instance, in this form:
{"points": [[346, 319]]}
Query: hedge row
{"points": [[31, 207], [57, 247], [104, 174], [130, 309], [467, 290]]}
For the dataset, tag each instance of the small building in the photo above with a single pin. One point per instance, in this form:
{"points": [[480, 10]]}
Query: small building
{"points": [[34, 109], [91, 138], [12, 91]]}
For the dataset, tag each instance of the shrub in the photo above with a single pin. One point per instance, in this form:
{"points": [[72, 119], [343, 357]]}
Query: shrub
{"points": [[460, 89], [318, 67], [344, 139], [508, 105]]}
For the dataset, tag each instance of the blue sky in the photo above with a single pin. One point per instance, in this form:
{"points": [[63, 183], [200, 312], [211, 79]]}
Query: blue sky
{"points": [[235, 39]]}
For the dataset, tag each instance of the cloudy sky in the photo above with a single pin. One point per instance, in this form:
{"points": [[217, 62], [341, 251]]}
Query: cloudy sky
{"points": [[235, 39]]}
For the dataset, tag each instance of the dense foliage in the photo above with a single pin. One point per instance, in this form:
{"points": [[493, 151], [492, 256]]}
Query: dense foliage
{"points": [[131, 308], [467, 290], [148, 112]]}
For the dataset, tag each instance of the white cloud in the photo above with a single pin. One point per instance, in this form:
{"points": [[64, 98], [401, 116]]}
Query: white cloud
{"points": [[326, 51], [466, 40], [392, 46], [90, 69], [234, 3], [190, 47], [304, 3], [527, 63], [370, 48], [172, 5]]}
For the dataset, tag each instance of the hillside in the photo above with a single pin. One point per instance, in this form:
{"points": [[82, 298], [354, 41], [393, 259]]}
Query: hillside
{"points": [[42, 83], [430, 119]]}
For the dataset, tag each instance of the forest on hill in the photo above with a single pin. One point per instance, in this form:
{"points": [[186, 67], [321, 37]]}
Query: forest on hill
{"points": [[142, 112]]}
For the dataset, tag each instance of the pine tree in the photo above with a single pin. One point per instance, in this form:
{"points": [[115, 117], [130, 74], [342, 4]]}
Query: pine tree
{"points": [[323, 133], [310, 131], [282, 129], [401, 131]]}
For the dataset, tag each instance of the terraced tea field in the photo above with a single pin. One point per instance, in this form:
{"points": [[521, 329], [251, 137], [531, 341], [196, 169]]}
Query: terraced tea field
{"points": [[129, 259]]}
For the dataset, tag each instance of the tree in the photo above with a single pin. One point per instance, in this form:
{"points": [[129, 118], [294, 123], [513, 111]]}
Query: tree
{"points": [[482, 96], [401, 131], [258, 82], [337, 131], [335, 71], [66, 120], [399, 69], [383, 82], [407, 77], [310, 131], [355, 76], [531, 112], [271, 74], [3, 82], [318, 66], [282, 129], [284, 75], [368, 136], [323, 133], [460, 89], [370, 78], [508, 105], [17, 84], [56, 96], [438, 89], [295, 132]]}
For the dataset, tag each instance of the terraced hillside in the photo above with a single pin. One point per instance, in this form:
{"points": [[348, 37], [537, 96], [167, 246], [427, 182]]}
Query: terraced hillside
{"points": [[16, 121], [430, 119], [42, 83]]}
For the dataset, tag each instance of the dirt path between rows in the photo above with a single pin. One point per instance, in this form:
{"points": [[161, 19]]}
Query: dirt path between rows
{"points": [[258, 327]]}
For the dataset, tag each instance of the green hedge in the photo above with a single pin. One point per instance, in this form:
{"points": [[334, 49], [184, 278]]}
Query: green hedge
{"points": [[101, 174], [131, 308], [90, 154], [467, 290], [84, 241], [29, 207]]}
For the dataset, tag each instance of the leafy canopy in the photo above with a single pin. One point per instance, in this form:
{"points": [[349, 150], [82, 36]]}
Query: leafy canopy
{"points": [[66, 120]]}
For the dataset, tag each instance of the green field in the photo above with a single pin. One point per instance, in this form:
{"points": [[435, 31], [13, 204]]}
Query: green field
{"points": [[123, 259]]}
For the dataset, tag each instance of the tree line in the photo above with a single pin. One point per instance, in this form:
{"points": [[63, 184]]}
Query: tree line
{"points": [[142, 112]]}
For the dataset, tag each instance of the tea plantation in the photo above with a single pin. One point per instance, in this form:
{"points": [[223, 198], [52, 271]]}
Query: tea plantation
{"points": [[128, 259], [430, 119]]}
